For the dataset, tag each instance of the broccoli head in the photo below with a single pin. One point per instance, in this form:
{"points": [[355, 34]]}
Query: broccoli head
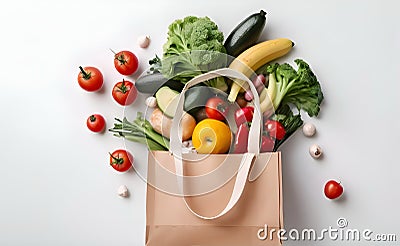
{"points": [[194, 45], [300, 88]]}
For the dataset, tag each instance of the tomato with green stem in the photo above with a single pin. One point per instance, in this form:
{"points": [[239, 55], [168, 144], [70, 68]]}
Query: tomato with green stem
{"points": [[96, 123], [217, 108], [275, 129], [121, 160], [90, 79], [124, 92], [125, 62]]}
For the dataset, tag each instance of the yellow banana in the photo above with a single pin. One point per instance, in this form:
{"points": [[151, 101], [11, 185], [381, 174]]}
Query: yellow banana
{"points": [[255, 57]]}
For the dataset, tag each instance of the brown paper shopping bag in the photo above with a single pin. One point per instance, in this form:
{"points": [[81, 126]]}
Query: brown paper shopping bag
{"points": [[217, 199]]}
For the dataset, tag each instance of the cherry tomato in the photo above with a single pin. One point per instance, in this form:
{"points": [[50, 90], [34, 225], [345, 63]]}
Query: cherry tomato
{"points": [[333, 189], [275, 129], [244, 115], [267, 144], [217, 108], [96, 123], [121, 160], [126, 62], [124, 92], [90, 78]]}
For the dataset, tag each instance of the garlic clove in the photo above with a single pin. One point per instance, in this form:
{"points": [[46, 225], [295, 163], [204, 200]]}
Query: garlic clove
{"points": [[309, 129], [143, 41], [315, 151], [123, 191], [151, 102]]}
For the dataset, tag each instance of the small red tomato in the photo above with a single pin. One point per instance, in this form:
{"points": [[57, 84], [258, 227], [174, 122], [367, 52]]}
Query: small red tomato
{"points": [[333, 189], [124, 92], [267, 144], [275, 129], [90, 78], [217, 108], [96, 123], [121, 160], [244, 115], [126, 62]]}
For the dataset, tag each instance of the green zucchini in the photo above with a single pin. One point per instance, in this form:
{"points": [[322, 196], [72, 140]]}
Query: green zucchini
{"points": [[150, 83], [246, 34], [196, 98]]}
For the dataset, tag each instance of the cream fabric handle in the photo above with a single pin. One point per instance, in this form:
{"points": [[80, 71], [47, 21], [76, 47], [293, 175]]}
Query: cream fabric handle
{"points": [[253, 142]]}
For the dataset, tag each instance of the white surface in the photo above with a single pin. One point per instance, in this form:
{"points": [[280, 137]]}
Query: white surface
{"points": [[56, 186]]}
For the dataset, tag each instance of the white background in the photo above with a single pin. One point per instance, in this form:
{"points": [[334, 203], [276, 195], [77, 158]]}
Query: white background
{"points": [[56, 185]]}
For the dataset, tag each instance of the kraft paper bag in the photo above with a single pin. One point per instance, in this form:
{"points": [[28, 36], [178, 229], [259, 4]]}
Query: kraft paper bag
{"points": [[169, 221], [216, 199]]}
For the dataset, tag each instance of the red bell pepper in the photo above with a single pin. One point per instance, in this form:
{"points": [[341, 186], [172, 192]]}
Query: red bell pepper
{"points": [[267, 144], [244, 115], [241, 139]]}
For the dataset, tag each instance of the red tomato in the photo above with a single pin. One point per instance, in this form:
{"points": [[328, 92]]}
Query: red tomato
{"points": [[121, 160], [126, 62], [124, 92], [275, 129], [333, 189], [244, 115], [217, 108], [96, 123], [90, 78]]}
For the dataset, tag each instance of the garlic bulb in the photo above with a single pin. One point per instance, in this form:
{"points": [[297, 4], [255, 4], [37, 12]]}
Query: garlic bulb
{"points": [[143, 41], [309, 129], [315, 151], [123, 191], [151, 102]]}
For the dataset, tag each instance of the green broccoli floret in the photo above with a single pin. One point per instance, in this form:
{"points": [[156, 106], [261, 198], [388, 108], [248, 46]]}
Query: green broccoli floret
{"points": [[300, 88], [194, 45]]}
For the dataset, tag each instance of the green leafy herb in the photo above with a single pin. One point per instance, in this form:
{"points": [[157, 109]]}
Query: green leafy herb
{"points": [[155, 65], [290, 122]]}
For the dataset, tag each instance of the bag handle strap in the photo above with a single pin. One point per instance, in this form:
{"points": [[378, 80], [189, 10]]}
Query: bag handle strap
{"points": [[253, 142]]}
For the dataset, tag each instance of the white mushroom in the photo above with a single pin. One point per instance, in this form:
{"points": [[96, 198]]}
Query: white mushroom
{"points": [[151, 102], [309, 129], [143, 41], [123, 191], [315, 151]]}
